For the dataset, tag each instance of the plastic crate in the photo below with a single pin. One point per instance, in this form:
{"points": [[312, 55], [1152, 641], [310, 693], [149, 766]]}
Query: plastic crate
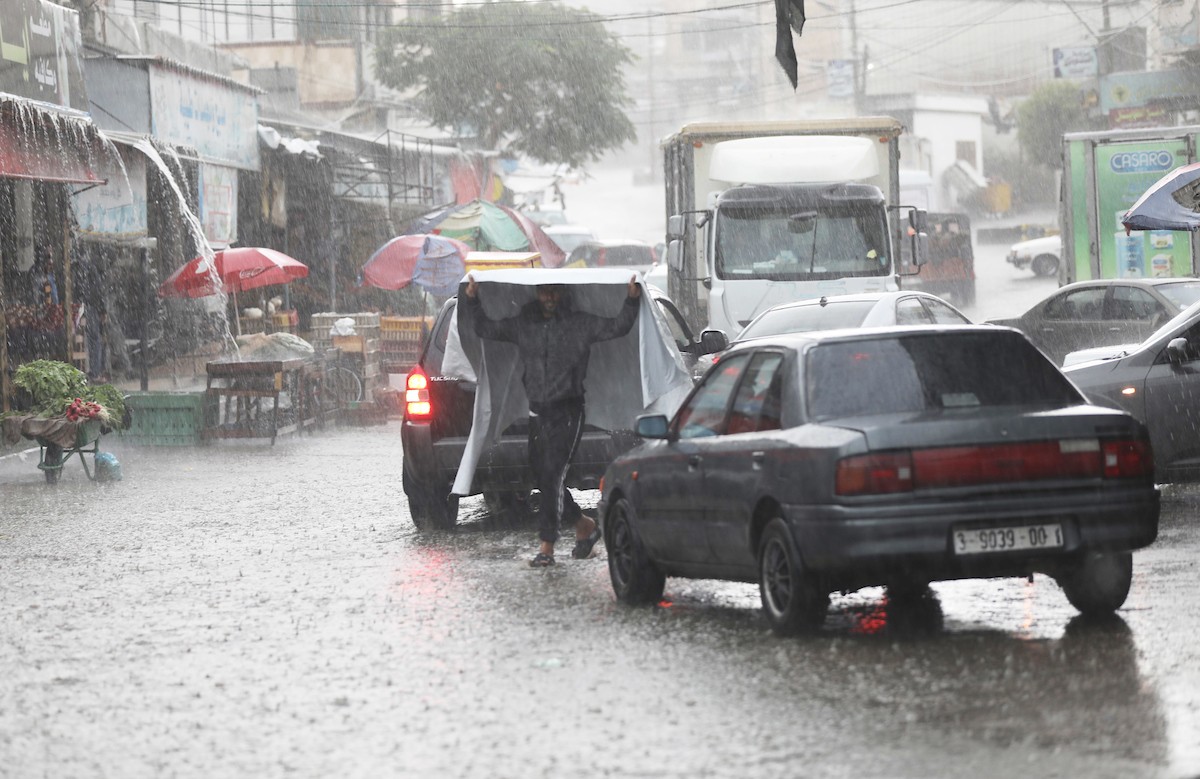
{"points": [[325, 320], [168, 418], [404, 328]]}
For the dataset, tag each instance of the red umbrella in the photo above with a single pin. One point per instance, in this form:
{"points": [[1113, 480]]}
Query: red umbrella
{"points": [[239, 269], [397, 263]]}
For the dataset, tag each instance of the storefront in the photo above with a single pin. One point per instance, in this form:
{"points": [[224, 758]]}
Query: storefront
{"points": [[49, 150], [186, 137]]}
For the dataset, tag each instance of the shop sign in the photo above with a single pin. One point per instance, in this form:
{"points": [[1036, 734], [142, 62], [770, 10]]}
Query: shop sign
{"points": [[1076, 62], [1123, 172], [839, 78], [218, 204], [216, 119], [1141, 116], [1139, 88], [115, 211], [40, 53]]}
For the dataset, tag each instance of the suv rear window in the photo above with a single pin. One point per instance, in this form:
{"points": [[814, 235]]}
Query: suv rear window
{"points": [[931, 372], [437, 341]]}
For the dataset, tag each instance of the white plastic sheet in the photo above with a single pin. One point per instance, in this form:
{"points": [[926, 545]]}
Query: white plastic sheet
{"points": [[638, 373]]}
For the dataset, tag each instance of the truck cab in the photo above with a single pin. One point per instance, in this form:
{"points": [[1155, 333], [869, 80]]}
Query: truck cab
{"points": [[772, 245], [763, 213]]}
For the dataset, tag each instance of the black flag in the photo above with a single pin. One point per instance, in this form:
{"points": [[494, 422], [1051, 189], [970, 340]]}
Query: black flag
{"points": [[788, 14]]}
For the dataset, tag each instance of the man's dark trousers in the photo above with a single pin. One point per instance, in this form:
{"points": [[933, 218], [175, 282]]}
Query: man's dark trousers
{"points": [[554, 433]]}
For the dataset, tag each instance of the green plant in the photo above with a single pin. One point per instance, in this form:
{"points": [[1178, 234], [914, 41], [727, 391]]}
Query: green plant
{"points": [[53, 386], [49, 381]]}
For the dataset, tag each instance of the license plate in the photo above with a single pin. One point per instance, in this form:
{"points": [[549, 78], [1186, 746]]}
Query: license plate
{"points": [[1007, 539]]}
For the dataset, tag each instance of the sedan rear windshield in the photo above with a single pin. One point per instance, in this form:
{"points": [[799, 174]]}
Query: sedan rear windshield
{"points": [[931, 372], [802, 319]]}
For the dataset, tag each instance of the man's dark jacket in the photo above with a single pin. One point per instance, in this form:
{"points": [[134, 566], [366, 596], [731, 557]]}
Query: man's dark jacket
{"points": [[555, 350]]}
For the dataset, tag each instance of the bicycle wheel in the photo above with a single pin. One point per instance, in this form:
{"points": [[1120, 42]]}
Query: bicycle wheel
{"points": [[342, 387]]}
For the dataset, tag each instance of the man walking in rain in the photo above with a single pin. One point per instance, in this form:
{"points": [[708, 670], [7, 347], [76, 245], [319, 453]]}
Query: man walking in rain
{"points": [[555, 342]]}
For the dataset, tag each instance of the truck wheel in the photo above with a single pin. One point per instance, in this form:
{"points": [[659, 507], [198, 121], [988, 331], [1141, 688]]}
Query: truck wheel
{"points": [[790, 598], [1044, 265], [635, 580], [1099, 583]]}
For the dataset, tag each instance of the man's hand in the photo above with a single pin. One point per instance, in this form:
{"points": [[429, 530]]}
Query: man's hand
{"points": [[634, 290], [472, 286]]}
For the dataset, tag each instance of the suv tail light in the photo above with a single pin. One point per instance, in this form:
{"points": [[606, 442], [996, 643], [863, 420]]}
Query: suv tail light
{"points": [[963, 466], [416, 395]]}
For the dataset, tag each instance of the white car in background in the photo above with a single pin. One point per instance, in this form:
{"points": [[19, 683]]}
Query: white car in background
{"points": [[568, 236], [1041, 255]]}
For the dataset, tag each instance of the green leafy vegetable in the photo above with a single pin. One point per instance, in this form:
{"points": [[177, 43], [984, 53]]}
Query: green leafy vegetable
{"points": [[53, 386]]}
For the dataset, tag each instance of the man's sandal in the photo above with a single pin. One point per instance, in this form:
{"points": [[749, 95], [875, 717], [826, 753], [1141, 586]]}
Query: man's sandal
{"points": [[584, 546], [542, 560]]}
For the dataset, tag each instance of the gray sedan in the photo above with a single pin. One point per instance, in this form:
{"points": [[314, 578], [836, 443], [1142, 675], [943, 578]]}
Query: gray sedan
{"points": [[836, 460], [1158, 381], [1097, 313]]}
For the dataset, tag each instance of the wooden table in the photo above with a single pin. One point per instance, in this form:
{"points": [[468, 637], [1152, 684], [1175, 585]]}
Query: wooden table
{"points": [[245, 384]]}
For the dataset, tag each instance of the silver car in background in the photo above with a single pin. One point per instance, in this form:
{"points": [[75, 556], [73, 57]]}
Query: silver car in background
{"points": [[1158, 381]]}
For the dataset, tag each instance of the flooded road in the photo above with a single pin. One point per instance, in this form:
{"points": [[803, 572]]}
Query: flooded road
{"points": [[246, 610]]}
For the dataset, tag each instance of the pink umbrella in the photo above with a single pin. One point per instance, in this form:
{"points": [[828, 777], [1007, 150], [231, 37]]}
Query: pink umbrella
{"points": [[432, 261], [238, 269]]}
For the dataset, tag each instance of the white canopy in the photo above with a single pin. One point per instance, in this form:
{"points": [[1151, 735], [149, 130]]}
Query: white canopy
{"points": [[638, 373]]}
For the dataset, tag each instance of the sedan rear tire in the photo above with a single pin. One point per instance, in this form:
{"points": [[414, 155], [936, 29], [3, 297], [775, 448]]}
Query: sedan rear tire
{"points": [[635, 580], [1098, 585], [790, 598]]}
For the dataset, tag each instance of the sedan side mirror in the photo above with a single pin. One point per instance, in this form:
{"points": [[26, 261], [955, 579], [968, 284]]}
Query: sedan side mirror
{"points": [[1177, 350], [651, 426], [713, 341]]}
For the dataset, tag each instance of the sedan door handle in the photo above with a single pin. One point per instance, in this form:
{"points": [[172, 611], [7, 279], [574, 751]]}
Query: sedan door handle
{"points": [[1114, 329], [756, 460], [694, 461]]}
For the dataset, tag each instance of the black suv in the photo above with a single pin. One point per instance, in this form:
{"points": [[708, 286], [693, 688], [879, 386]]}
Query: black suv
{"points": [[437, 420]]}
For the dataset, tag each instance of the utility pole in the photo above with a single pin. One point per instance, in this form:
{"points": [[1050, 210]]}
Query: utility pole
{"points": [[855, 74]]}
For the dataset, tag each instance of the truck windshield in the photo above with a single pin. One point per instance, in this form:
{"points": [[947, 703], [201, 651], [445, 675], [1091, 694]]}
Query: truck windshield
{"points": [[756, 243]]}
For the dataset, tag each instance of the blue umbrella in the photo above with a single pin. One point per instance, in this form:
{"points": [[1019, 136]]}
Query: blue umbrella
{"points": [[440, 266], [1172, 203]]}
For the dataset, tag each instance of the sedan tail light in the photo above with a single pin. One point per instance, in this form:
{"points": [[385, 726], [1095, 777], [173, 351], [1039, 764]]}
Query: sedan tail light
{"points": [[875, 474], [417, 406], [1127, 459], [963, 466]]}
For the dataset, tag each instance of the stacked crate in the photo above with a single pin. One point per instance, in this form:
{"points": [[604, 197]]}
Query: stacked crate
{"points": [[402, 338], [285, 322], [361, 350]]}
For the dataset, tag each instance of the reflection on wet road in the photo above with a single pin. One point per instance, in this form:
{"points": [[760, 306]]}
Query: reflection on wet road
{"points": [[243, 610]]}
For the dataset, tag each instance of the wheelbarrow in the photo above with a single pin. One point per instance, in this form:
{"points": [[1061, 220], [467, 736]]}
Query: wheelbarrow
{"points": [[54, 456]]}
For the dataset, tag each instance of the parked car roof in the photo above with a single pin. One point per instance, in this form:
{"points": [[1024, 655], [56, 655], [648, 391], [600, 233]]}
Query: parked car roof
{"points": [[628, 253]]}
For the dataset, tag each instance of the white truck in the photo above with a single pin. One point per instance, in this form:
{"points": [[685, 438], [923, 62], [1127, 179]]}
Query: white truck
{"points": [[760, 213]]}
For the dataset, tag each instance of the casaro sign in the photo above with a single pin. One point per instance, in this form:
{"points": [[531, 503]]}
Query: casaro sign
{"points": [[1155, 161]]}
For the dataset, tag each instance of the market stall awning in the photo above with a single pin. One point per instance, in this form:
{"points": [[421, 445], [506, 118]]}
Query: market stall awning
{"points": [[48, 145]]}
